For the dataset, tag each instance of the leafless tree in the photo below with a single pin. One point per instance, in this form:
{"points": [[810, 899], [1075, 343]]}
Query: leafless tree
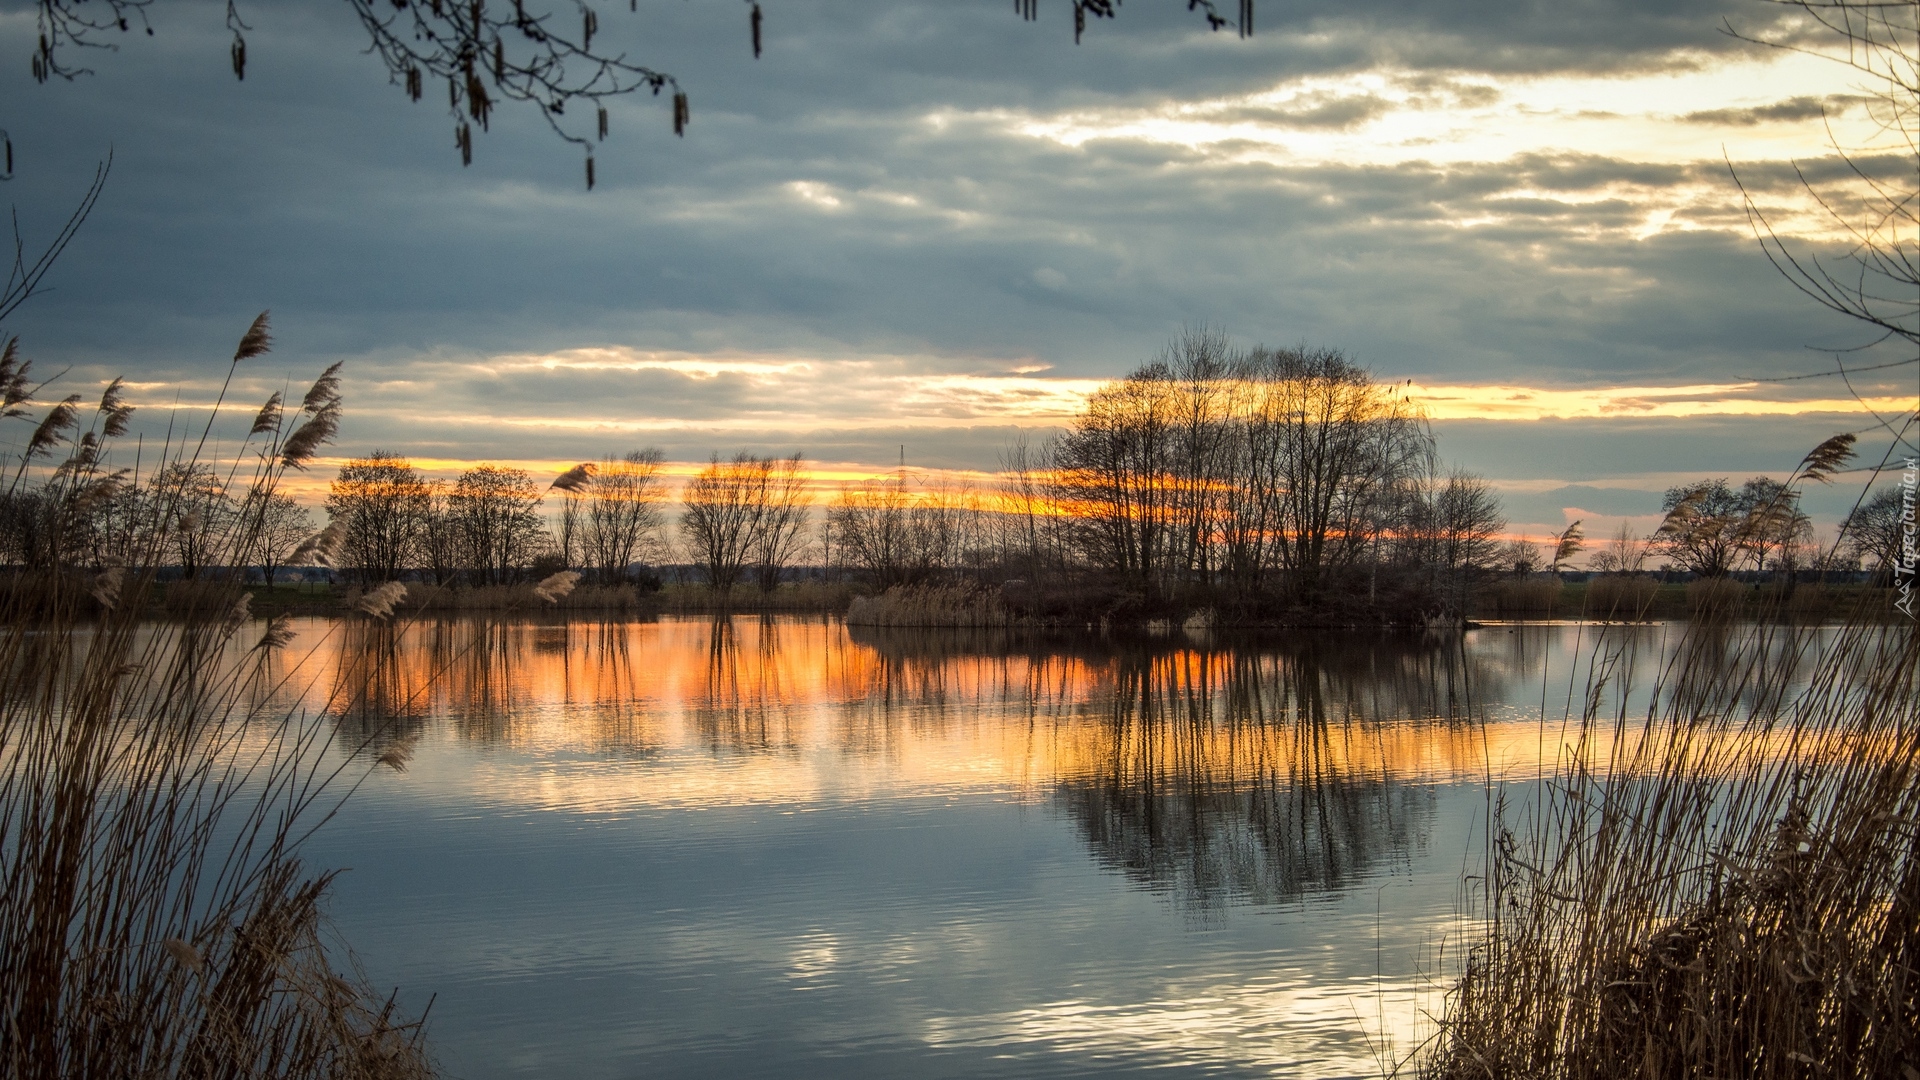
{"points": [[381, 502], [1877, 280], [439, 546], [1212, 466], [496, 511], [898, 533], [1877, 531], [198, 514], [1624, 553], [623, 512], [782, 526], [280, 525], [720, 509]]}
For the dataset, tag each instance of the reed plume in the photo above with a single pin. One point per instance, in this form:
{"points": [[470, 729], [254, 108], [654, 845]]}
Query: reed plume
{"points": [[555, 586], [380, 602], [156, 919], [1725, 885]]}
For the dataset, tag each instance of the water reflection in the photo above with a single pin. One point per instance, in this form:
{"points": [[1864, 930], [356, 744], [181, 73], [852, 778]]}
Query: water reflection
{"points": [[777, 846], [1216, 774]]}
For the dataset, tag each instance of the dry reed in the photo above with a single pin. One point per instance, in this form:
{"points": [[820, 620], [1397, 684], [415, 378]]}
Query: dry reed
{"points": [[533, 598], [156, 918], [1620, 597], [1526, 596], [1716, 598], [962, 605], [1725, 886]]}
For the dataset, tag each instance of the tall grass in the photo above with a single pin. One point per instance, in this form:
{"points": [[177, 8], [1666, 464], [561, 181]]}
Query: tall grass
{"points": [[1620, 597], [960, 605], [156, 918], [1525, 596], [1727, 885], [423, 597]]}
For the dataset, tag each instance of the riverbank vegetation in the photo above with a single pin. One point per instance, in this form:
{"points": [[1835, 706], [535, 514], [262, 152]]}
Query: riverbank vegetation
{"points": [[1727, 885], [157, 919]]}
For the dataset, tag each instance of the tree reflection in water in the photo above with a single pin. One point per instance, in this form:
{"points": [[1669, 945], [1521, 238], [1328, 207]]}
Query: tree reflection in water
{"points": [[1217, 770], [1252, 773]]}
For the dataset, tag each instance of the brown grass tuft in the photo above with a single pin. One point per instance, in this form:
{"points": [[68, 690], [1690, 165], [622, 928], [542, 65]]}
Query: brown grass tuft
{"points": [[1725, 886], [962, 605], [1620, 597], [1717, 598]]}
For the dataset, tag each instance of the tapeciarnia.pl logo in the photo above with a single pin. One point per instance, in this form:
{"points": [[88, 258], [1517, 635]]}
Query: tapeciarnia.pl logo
{"points": [[1903, 571]]}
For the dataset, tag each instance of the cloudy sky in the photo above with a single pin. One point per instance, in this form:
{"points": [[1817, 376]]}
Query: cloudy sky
{"points": [[932, 225]]}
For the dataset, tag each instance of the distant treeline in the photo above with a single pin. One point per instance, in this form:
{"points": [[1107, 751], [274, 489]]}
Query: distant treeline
{"points": [[1247, 481], [1251, 483]]}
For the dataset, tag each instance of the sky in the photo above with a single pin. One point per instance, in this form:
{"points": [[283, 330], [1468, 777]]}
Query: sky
{"points": [[925, 230]]}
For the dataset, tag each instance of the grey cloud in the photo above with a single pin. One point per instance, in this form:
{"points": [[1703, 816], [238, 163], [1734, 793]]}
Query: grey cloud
{"points": [[1318, 111], [1797, 108], [314, 189]]}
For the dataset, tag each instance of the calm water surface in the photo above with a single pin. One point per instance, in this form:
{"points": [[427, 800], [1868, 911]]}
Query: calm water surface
{"points": [[787, 848]]}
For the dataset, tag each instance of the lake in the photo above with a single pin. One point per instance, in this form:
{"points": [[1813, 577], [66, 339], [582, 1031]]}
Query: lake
{"points": [[786, 847]]}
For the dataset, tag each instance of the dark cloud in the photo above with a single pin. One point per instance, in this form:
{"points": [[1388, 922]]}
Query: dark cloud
{"points": [[858, 193], [1797, 108]]}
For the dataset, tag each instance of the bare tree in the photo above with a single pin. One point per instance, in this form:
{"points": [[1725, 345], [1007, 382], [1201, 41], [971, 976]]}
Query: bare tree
{"points": [[568, 534], [198, 514], [1877, 530], [1624, 553], [869, 527], [439, 547], [720, 512], [280, 524], [380, 501], [1878, 279], [1702, 528], [782, 527], [496, 511], [623, 512], [896, 535]]}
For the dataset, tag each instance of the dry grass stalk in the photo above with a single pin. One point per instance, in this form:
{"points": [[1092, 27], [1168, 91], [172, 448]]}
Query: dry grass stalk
{"points": [[1716, 598], [555, 586], [1526, 596], [379, 602], [962, 605], [155, 917], [1726, 886], [1620, 597]]}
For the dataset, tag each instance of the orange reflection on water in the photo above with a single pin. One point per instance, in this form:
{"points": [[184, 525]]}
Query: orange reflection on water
{"points": [[797, 708]]}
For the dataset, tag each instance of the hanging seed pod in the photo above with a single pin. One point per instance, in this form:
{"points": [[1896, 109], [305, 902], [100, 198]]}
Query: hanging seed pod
{"points": [[589, 22], [680, 113], [754, 21], [239, 57], [463, 138], [413, 83], [499, 60], [589, 172], [9, 140], [603, 128]]}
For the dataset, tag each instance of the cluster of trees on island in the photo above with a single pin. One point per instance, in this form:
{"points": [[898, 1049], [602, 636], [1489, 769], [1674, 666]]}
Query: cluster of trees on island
{"points": [[1248, 481]]}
